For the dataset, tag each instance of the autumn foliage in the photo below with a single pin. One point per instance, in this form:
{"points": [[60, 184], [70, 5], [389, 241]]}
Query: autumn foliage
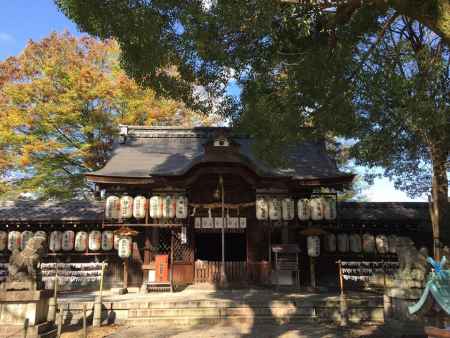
{"points": [[61, 101]]}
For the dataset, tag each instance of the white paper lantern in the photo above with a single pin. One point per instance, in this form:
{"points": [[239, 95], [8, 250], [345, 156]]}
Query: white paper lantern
{"points": [[355, 243], [95, 240], [124, 250], [198, 222], [13, 240], [55, 241], [233, 222], [107, 240], [329, 209], [41, 234], [139, 207], [392, 243], [288, 206], [304, 209], [3, 240], [382, 244], [330, 242], [24, 238], [243, 222], [81, 241], [116, 242], [262, 209], [126, 207], [343, 242], [169, 206], [156, 207], [183, 237], [208, 222], [275, 209], [368, 243], [313, 243], [112, 207], [316, 205], [68, 240], [181, 207]]}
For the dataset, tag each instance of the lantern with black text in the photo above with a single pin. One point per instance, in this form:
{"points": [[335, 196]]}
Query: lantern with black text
{"points": [[81, 241], [288, 206], [329, 209], [112, 207], [343, 242], [13, 240], [381, 242], [330, 242], [262, 209], [3, 240], [368, 243], [116, 241], [68, 240], [155, 207], [126, 207], [95, 240], [274, 209], [55, 241], [181, 207], [139, 207], [24, 238], [169, 205], [124, 250], [107, 240], [316, 209], [304, 210], [355, 243], [313, 243]]}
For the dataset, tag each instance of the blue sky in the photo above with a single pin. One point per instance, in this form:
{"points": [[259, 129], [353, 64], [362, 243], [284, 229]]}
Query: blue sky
{"points": [[22, 20]]}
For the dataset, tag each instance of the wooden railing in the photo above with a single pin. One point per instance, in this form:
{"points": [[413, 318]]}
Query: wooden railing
{"points": [[237, 271]]}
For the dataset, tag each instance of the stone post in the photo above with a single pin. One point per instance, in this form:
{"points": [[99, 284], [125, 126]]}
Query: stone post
{"points": [[97, 320]]}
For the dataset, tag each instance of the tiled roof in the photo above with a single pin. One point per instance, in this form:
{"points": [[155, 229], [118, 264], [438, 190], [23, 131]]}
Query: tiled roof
{"points": [[79, 211], [165, 151]]}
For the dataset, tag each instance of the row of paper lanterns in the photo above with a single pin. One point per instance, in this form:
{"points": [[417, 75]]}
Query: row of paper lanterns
{"points": [[355, 243], [315, 209], [64, 241], [158, 206]]}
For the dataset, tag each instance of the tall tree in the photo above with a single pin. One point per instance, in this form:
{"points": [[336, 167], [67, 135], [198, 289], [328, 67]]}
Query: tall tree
{"points": [[299, 65], [61, 101]]}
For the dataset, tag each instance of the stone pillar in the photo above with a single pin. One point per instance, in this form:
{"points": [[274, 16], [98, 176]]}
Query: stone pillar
{"points": [[97, 318], [52, 309]]}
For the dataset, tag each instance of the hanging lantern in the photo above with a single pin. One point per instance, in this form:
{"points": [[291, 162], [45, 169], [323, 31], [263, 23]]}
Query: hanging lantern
{"points": [[368, 243], [183, 237], [355, 243], [139, 207], [155, 207], [313, 243], [330, 242], [55, 241], [24, 238], [381, 242], [288, 207], [342, 242], [262, 209], [169, 206], [126, 207], [304, 209], [392, 243], [274, 209], [81, 241], [3, 240], [116, 242], [316, 209], [243, 222], [41, 234], [107, 240], [68, 239], [124, 250], [13, 240], [95, 240], [112, 207], [181, 207], [329, 209]]}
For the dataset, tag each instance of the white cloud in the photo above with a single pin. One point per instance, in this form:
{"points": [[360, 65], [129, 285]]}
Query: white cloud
{"points": [[5, 37]]}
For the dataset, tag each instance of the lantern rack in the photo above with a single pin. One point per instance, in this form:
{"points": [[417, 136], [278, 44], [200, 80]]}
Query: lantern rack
{"points": [[81, 253], [160, 225]]}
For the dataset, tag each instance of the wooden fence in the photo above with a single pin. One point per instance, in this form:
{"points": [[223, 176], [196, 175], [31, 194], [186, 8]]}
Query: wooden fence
{"points": [[237, 271]]}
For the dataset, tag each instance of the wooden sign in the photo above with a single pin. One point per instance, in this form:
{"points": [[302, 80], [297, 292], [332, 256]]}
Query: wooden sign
{"points": [[162, 268]]}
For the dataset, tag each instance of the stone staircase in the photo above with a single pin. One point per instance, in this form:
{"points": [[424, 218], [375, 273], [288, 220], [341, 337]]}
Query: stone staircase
{"points": [[188, 313]]}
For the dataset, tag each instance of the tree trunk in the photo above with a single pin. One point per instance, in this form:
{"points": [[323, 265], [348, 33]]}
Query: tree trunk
{"points": [[439, 199]]}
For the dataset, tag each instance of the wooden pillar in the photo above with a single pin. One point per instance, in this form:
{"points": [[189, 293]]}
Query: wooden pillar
{"points": [[125, 273], [171, 261], [312, 271]]}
